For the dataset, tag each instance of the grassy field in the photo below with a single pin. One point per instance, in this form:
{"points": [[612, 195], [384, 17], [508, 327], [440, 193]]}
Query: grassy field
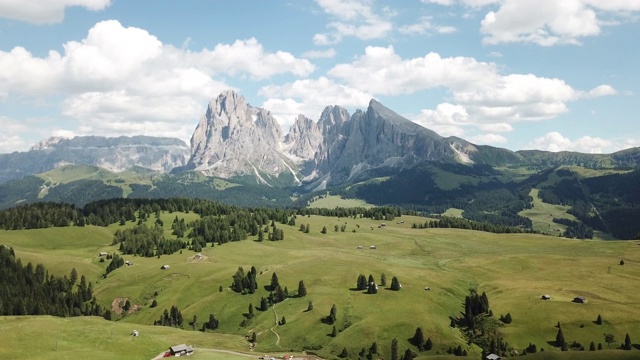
{"points": [[453, 212], [333, 201], [69, 173], [513, 269]]}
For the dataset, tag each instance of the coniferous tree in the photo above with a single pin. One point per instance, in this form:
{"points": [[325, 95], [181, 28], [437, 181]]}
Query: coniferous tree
{"points": [[263, 304], [302, 289], [599, 320], [394, 349], [324, 230], [361, 283], [344, 354], [310, 306], [408, 355], [428, 345], [274, 281], [560, 338], [383, 280], [331, 319], [592, 346], [627, 342], [250, 314], [334, 332], [395, 284], [418, 339]]}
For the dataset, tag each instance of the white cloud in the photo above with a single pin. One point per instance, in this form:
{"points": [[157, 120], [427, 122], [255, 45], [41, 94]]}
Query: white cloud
{"points": [[488, 139], [320, 54], [554, 141], [45, 11], [119, 81], [425, 26], [309, 97], [355, 18], [249, 57], [482, 95], [547, 22], [602, 90]]}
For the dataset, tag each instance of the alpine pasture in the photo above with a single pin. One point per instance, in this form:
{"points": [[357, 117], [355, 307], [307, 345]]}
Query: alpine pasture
{"points": [[514, 270]]}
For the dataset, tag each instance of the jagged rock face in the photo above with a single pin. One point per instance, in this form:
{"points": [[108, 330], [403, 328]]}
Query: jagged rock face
{"points": [[303, 139], [113, 154], [233, 138], [377, 139], [331, 123]]}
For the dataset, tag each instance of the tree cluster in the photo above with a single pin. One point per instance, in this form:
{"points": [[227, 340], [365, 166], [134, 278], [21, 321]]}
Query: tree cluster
{"points": [[146, 241], [245, 284], [171, 318], [29, 290]]}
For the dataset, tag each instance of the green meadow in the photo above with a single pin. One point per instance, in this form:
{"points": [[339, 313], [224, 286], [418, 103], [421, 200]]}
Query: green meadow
{"points": [[513, 269]]}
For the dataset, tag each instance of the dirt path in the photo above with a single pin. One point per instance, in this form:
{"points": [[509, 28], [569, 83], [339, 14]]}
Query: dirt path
{"points": [[276, 324]]}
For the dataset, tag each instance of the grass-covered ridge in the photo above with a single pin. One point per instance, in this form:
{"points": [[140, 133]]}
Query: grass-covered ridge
{"points": [[513, 270]]}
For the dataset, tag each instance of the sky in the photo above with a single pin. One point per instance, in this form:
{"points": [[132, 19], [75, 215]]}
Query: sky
{"points": [[519, 74]]}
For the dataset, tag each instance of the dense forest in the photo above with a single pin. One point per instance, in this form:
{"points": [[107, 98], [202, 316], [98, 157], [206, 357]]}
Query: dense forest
{"points": [[488, 199], [29, 290]]}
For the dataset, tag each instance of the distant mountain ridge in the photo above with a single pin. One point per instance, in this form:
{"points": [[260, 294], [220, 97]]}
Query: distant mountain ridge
{"points": [[113, 154], [236, 140]]}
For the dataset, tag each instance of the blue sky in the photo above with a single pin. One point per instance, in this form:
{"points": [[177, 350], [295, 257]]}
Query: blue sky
{"points": [[520, 74]]}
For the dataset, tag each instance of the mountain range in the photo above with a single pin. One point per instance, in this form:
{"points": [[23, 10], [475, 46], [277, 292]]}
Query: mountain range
{"points": [[239, 155], [234, 139]]}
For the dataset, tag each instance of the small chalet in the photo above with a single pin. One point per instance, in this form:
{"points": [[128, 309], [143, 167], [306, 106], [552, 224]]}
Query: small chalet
{"points": [[128, 263], [182, 349], [359, 247], [372, 247], [102, 253], [546, 297], [135, 333], [493, 357], [580, 300], [165, 267]]}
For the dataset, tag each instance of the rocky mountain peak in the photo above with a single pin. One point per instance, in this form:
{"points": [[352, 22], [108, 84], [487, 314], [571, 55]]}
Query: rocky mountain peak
{"points": [[46, 144], [234, 138], [303, 139]]}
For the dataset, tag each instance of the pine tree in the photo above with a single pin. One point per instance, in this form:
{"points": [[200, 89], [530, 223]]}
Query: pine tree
{"points": [[362, 282], [560, 338], [418, 339], [274, 281], [395, 284], [394, 349], [592, 346], [263, 304], [310, 306], [254, 337], [428, 345], [344, 354], [302, 290], [334, 332], [599, 320], [324, 230], [383, 280], [251, 314], [408, 355], [627, 342]]}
